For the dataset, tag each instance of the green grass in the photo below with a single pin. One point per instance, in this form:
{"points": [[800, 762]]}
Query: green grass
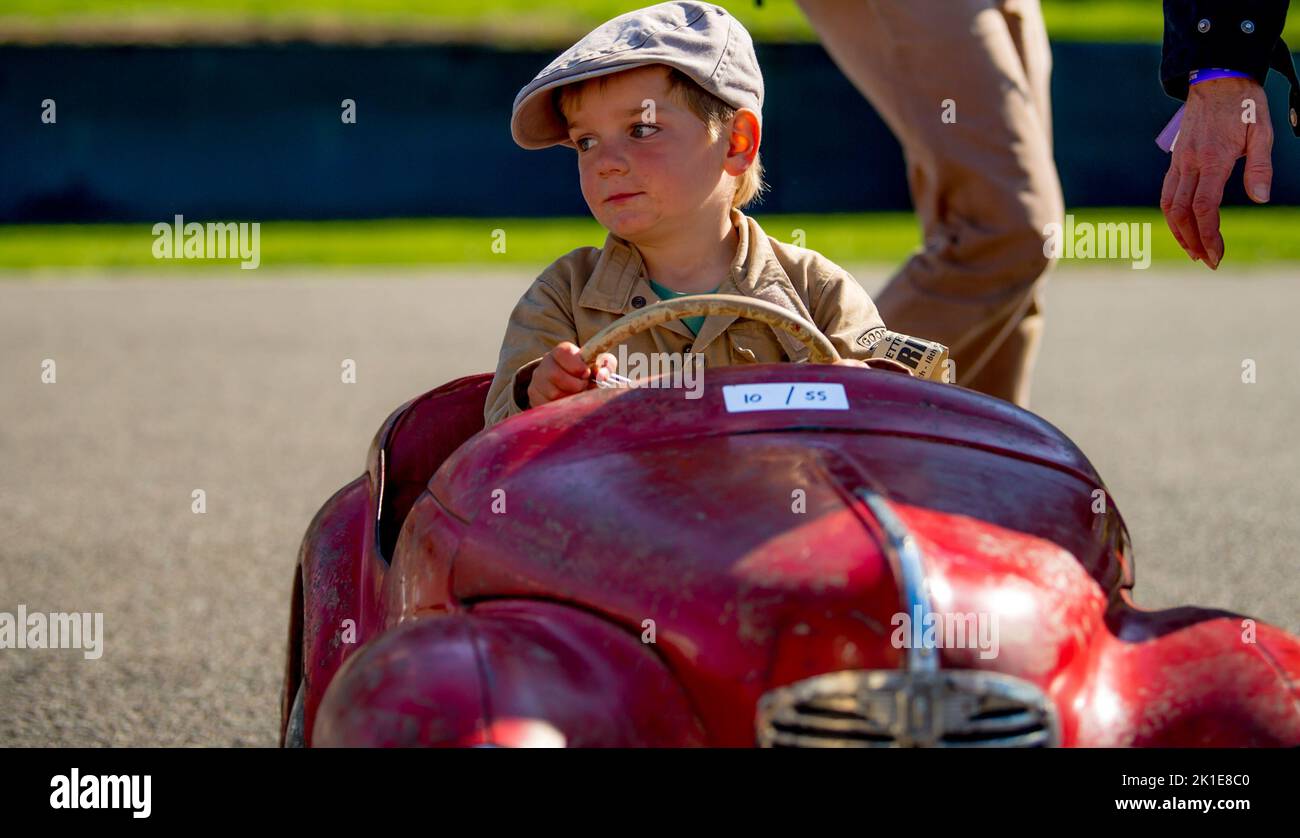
{"points": [[1254, 235], [560, 22]]}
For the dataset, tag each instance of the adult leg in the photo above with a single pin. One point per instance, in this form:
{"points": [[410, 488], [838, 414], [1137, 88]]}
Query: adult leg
{"points": [[963, 84]]}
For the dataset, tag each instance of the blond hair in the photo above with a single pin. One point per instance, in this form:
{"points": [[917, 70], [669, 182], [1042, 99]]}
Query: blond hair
{"points": [[709, 109]]}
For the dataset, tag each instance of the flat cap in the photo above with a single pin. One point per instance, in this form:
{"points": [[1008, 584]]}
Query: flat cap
{"points": [[702, 40]]}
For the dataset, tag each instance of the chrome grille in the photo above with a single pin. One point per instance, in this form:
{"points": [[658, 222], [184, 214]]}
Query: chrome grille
{"points": [[900, 709]]}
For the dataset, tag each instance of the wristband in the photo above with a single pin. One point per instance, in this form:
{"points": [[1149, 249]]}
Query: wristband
{"points": [[1198, 76], [1169, 135]]}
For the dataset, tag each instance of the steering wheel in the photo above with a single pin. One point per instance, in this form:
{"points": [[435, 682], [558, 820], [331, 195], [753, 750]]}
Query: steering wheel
{"points": [[696, 305]]}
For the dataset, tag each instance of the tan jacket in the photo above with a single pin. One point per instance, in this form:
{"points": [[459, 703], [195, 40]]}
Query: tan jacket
{"points": [[587, 289]]}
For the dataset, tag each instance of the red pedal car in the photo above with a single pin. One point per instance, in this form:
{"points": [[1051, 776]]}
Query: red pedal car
{"points": [[805, 556]]}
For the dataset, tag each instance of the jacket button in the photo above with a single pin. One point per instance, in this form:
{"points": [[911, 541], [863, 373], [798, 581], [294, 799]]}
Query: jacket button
{"points": [[638, 302], [1204, 25], [1248, 26]]}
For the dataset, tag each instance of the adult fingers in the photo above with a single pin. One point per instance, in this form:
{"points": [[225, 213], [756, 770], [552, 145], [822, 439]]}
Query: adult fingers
{"points": [[1258, 177], [1205, 208], [1167, 193], [1180, 213]]}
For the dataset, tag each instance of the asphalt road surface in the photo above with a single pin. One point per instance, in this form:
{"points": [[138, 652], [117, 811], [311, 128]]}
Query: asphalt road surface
{"points": [[233, 386]]}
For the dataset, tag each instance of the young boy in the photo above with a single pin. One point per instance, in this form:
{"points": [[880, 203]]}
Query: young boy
{"points": [[664, 109]]}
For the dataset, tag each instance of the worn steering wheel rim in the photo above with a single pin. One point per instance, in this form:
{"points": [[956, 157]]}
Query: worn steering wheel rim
{"points": [[696, 305]]}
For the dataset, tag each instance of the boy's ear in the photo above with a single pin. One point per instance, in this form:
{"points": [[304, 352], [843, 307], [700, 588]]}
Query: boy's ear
{"points": [[746, 135]]}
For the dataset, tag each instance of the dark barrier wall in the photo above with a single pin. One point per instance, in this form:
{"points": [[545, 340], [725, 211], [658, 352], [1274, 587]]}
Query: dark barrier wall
{"points": [[255, 133]]}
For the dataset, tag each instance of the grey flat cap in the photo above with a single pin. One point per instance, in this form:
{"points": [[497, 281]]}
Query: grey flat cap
{"points": [[702, 40]]}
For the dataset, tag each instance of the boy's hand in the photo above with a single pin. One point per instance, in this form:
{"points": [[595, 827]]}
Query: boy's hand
{"points": [[875, 364], [562, 373]]}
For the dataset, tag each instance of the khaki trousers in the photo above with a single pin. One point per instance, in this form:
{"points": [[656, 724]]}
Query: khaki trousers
{"points": [[964, 85]]}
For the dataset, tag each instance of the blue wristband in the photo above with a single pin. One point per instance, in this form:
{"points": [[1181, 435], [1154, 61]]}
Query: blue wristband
{"points": [[1198, 76]]}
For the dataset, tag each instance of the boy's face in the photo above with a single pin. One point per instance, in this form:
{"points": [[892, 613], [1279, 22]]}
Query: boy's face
{"points": [[677, 174]]}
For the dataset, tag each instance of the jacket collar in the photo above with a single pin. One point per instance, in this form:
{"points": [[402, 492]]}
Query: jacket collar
{"points": [[755, 272]]}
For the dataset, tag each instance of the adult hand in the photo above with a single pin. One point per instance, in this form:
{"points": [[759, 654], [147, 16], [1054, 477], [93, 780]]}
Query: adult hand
{"points": [[1217, 129]]}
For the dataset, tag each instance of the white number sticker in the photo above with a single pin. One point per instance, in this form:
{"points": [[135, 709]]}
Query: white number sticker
{"points": [[742, 398]]}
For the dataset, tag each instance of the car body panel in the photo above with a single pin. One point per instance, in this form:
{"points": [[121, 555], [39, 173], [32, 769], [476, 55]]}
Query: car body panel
{"points": [[712, 557], [506, 673]]}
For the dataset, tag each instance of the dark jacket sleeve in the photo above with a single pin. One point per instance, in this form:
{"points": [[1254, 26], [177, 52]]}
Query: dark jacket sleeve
{"points": [[1229, 34]]}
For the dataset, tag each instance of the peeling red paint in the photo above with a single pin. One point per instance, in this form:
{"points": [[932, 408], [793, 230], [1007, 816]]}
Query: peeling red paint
{"points": [[635, 506]]}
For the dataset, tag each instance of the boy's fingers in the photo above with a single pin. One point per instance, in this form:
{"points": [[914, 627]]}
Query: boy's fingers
{"points": [[555, 386], [569, 358], [540, 392], [605, 365], [551, 382], [890, 365], [564, 383]]}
